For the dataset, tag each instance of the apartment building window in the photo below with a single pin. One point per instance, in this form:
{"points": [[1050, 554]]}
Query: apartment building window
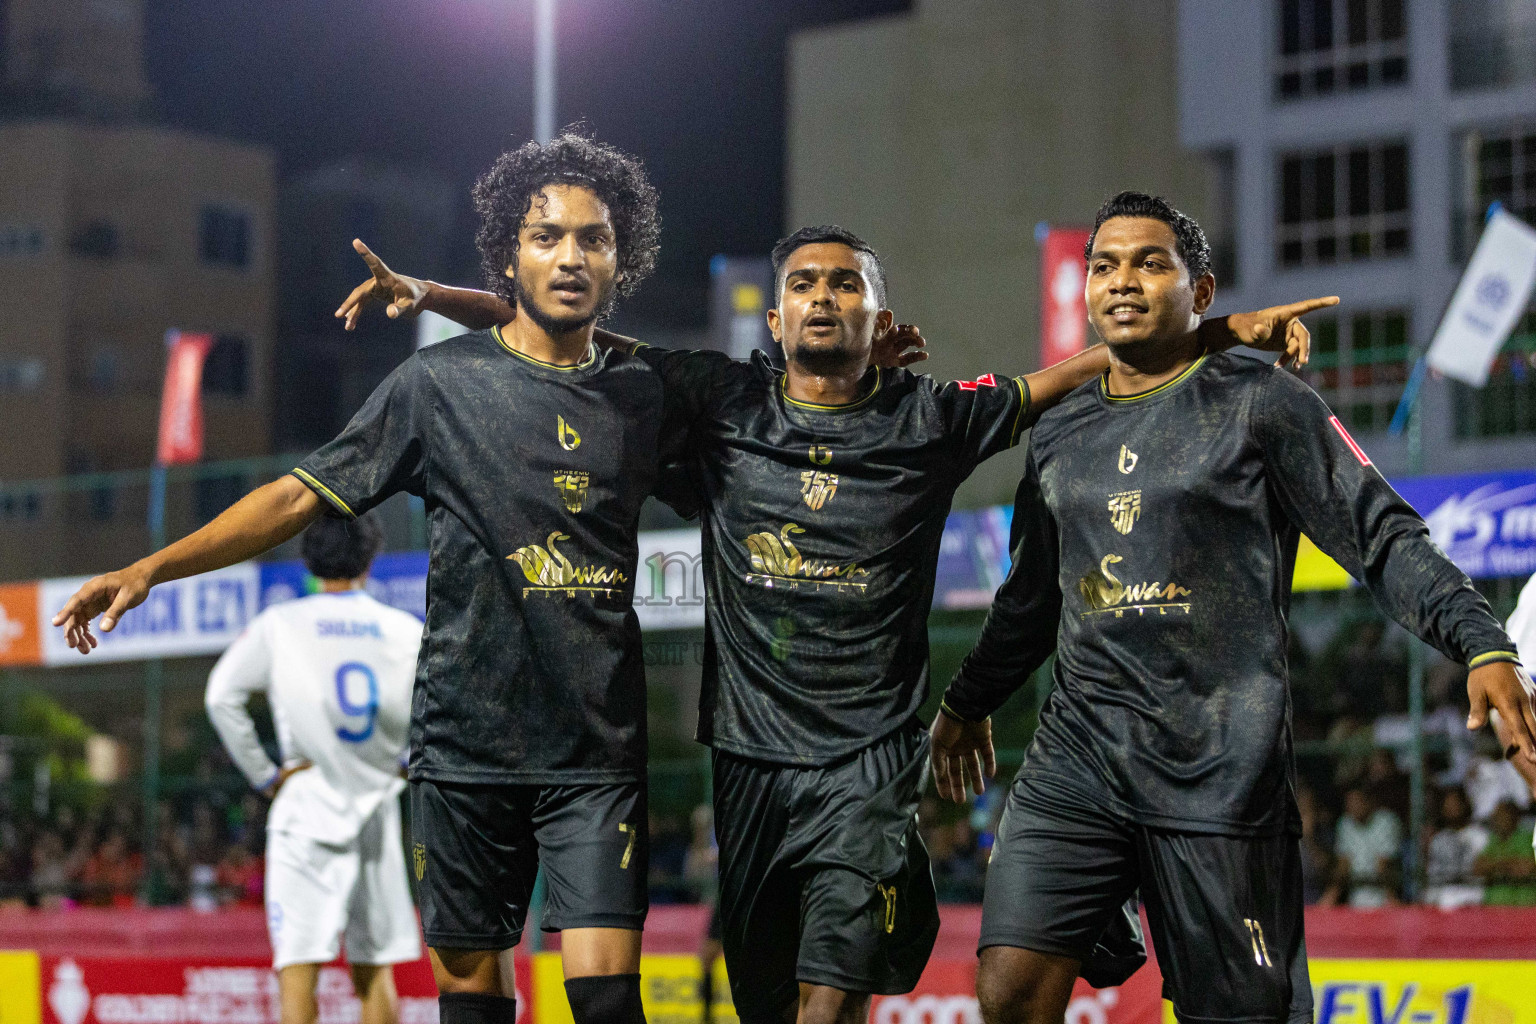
{"points": [[1506, 405], [1346, 203], [224, 238], [21, 505], [21, 374], [97, 240], [214, 494], [1359, 365], [1498, 165], [1492, 43], [1332, 46]]}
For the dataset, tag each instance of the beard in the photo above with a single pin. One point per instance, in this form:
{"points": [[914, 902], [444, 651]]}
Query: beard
{"points": [[554, 325], [823, 360]]}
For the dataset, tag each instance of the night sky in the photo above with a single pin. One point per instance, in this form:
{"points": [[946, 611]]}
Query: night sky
{"points": [[695, 88]]}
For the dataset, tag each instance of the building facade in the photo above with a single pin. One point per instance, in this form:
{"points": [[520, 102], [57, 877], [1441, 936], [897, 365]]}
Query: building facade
{"points": [[945, 135], [1357, 152]]}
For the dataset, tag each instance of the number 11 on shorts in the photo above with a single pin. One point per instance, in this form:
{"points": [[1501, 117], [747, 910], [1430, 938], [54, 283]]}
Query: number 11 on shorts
{"points": [[1256, 937], [629, 847]]}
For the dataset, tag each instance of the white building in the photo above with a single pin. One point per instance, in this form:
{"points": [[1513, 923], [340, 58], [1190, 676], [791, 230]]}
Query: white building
{"points": [[1356, 145]]}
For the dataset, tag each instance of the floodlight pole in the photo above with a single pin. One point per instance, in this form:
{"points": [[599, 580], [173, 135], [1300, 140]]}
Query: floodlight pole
{"points": [[544, 70]]}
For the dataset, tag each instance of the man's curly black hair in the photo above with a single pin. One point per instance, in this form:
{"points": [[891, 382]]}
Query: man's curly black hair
{"points": [[505, 193], [1194, 250]]}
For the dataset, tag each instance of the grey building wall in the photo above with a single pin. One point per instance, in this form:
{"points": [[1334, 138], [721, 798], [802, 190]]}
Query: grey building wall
{"points": [[1227, 106], [944, 135]]}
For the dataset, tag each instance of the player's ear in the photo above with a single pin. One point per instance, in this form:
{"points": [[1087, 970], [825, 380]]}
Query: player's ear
{"points": [[883, 321], [775, 325], [1205, 292]]}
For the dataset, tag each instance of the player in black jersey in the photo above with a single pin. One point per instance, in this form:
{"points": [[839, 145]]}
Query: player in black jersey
{"points": [[825, 486], [1154, 537], [533, 450]]}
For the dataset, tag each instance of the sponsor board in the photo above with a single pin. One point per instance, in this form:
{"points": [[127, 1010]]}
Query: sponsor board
{"points": [[671, 990], [1424, 991], [200, 615], [20, 995], [20, 639], [946, 994], [137, 990], [1485, 522]]}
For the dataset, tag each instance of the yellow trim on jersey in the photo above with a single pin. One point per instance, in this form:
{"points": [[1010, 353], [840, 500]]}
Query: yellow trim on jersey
{"points": [[1489, 657], [784, 388], [1018, 417], [335, 500], [1164, 386], [591, 356]]}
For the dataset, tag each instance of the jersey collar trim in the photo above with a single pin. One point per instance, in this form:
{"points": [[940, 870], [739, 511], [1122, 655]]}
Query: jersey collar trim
{"points": [[591, 356], [784, 390], [1141, 395]]}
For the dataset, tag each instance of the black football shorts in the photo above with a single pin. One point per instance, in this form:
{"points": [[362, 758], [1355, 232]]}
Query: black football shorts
{"points": [[475, 850]]}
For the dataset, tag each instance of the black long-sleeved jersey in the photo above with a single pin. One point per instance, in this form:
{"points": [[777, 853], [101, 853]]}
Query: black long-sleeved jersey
{"points": [[1154, 541]]}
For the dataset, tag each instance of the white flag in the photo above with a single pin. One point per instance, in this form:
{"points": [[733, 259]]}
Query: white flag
{"points": [[1488, 301], [432, 328]]}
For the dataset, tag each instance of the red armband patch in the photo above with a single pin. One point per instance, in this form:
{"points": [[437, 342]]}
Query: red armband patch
{"points": [[1365, 460]]}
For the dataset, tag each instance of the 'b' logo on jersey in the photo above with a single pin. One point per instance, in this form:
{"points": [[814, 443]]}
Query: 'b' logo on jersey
{"points": [[569, 439], [419, 859], [1128, 459], [817, 487], [821, 455]]}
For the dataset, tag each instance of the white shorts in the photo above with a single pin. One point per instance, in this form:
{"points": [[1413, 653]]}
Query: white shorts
{"points": [[316, 892]]}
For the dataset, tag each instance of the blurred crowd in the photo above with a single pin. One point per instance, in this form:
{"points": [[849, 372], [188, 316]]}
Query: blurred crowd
{"points": [[207, 854]]}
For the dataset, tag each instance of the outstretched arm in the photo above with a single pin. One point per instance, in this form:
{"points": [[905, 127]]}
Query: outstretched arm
{"points": [[408, 296], [1276, 329], [261, 520]]}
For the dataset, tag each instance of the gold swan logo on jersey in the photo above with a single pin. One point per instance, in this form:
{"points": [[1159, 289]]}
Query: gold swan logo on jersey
{"points": [[550, 571], [569, 439], [572, 485], [419, 856], [1103, 592], [817, 487], [777, 560]]}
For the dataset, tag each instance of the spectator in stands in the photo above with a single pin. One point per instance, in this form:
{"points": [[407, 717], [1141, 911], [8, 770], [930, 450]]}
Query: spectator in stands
{"points": [[1490, 782], [112, 874], [1369, 846], [1505, 864], [700, 866], [241, 876], [52, 879], [1387, 785], [1316, 845], [1452, 851]]}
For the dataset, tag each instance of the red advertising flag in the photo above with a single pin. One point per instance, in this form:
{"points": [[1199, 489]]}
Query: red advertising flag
{"points": [[181, 404], [1063, 312]]}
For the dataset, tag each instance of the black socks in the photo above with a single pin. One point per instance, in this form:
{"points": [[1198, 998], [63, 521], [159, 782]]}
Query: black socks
{"points": [[475, 1008], [605, 999]]}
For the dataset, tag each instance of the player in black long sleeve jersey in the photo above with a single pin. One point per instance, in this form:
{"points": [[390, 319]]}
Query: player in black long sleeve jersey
{"points": [[1154, 540], [825, 487]]}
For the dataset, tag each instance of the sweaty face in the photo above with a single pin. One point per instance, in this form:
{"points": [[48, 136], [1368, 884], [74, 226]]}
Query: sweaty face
{"points": [[567, 258], [1139, 290], [827, 312]]}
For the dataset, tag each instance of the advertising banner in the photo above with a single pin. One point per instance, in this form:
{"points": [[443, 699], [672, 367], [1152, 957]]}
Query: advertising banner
{"points": [[1489, 300], [200, 615], [1486, 522], [20, 636], [1063, 309], [181, 403]]}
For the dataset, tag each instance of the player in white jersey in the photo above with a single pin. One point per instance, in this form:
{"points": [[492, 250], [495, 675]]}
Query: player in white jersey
{"points": [[337, 668], [1522, 630]]}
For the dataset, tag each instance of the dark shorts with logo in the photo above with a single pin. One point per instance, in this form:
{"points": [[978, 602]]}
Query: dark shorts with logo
{"points": [[1225, 911], [823, 876], [475, 850]]}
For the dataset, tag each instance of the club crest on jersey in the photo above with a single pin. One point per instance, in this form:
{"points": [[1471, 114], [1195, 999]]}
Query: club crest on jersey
{"points": [[1128, 460], [821, 455], [986, 380], [419, 859], [777, 561], [1124, 510], [551, 572], [817, 487], [569, 439], [1103, 592], [572, 485]]}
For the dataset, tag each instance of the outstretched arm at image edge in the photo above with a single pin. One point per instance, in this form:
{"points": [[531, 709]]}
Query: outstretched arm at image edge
{"points": [[1332, 492], [261, 520]]}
